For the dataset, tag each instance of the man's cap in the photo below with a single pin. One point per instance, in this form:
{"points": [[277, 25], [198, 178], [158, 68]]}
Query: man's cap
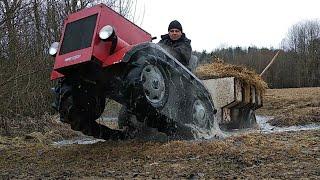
{"points": [[175, 25]]}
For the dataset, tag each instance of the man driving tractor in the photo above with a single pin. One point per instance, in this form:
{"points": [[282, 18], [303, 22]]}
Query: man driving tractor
{"points": [[177, 43]]}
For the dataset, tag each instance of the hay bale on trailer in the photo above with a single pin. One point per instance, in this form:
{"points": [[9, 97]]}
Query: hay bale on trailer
{"points": [[236, 91]]}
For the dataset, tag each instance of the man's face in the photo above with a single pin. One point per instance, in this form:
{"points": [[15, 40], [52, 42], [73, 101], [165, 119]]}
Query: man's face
{"points": [[175, 34]]}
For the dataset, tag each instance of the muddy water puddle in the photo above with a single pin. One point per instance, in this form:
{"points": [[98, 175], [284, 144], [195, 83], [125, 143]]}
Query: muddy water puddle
{"points": [[265, 127], [262, 122], [78, 140]]}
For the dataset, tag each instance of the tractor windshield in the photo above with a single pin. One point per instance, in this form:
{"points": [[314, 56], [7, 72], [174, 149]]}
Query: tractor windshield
{"points": [[78, 34]]}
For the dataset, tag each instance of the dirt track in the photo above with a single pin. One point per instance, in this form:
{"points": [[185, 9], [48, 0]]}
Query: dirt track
{"points": [[286, 155]]}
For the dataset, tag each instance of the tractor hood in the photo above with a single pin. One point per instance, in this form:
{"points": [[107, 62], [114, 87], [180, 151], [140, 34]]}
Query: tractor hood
{"points": [[80, 42]]}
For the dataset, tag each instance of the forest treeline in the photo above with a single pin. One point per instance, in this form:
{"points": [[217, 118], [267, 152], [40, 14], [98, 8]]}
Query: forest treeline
{"points": [[28, 27], [297, 65]]}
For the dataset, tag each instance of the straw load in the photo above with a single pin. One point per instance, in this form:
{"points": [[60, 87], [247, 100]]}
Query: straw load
{"points": [[219, 69]]}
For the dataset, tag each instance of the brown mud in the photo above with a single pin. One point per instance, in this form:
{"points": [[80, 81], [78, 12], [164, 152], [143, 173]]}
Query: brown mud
{"points": [[285, 155]]}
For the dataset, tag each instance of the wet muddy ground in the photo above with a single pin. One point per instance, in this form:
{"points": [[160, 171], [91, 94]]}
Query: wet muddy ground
{"points": [[288, 148]]}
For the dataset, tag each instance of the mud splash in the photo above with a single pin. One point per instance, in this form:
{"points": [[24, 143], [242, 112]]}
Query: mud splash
{"points": [[204, 134]]}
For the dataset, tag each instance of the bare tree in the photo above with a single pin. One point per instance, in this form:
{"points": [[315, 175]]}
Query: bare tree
{"points": [[27, 27], [9, 11], [301, 35]]}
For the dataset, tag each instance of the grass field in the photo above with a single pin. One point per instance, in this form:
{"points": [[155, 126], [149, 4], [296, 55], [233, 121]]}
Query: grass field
{"points": [[286, 155]]}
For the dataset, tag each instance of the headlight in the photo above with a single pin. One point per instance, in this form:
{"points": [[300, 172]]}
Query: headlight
{"points": [[106, 32], [53, 48]]}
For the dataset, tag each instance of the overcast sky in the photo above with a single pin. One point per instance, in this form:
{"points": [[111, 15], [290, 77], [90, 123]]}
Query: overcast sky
{"points": [[212, 24]]}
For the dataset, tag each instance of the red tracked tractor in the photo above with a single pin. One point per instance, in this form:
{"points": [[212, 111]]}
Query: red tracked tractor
{"points": [[103, 55]]}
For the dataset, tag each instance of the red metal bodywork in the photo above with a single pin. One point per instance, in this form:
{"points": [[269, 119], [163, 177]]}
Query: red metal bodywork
{"points": [[128, 35]]}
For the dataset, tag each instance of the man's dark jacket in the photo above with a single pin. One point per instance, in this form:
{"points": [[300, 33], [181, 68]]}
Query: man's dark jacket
{"points": [[180, 49]]}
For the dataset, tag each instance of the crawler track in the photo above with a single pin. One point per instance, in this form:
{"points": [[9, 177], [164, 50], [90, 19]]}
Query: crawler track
{"points": [[152, 85]]}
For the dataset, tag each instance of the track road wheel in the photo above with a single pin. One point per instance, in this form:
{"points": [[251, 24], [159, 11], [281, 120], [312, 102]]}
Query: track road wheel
{"points": [[202, 114], [154, 85], [124, 117]]}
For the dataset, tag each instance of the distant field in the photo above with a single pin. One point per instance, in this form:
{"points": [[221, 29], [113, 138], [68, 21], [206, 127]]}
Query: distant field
{"points": [[292, 106]]}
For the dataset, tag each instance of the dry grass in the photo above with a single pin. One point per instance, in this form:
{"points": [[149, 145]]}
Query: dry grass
{"points": [[219, 69], [49, 126], [293, 106], [251, 156], [287, 155]]}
